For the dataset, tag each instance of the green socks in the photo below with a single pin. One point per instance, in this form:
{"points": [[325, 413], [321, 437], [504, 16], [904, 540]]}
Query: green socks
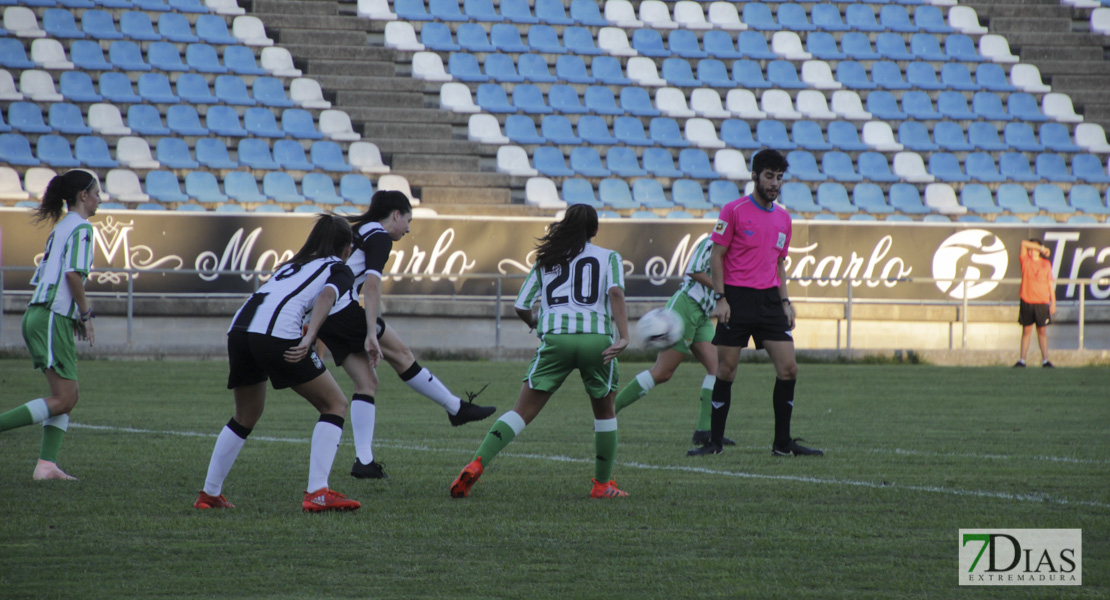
{"points": [[706, 407], [33, 412], [53, 432], [605, 444], [638, 388], [505, 430]]}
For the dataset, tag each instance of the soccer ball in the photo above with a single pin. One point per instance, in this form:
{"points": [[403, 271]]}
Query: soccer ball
{"points": [[659, 328]]}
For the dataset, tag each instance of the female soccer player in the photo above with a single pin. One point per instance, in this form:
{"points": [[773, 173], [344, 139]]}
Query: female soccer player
{"points": [[694, 304], [347, 332], [580, 288], [265, 342], [58, 310]]}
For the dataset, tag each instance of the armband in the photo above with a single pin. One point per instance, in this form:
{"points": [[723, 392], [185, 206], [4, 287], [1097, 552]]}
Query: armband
{"points": [[786, 301], [85, 316]]}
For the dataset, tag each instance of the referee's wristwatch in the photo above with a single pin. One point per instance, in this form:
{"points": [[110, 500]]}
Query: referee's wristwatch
{"points": [[718, 296]]}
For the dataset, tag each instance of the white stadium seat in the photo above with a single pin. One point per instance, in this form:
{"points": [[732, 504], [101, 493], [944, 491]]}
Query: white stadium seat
{"points": [[429, 67], [909, 166], [723, 15], [456, 97], [250, 31], [778, 105], [484, 129], [375, 9], [48, 53], [689, 15], [336, 125], [848, 105], [743, 104], [1091, 137], [672, 103], [397, 183], [1027, 78], [400, 35], [513, 160], [1058, 106], [307, 93], [656, 15], [706, 102], [964, 20], [813, 105], [621, 14], [731, 164], [21, 21], [941, 198], [106, 119], [39, 86], [124, 186], [11, 188], [613, 40], [701, 133], [541, 193], [134, 152], [880, 136], [279, 62], [365, 157], [995, 48]]}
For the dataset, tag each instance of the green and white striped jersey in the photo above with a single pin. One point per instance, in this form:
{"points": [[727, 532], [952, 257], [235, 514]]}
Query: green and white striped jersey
{"points": [[69, 248], [699, 263], [574, 297]]}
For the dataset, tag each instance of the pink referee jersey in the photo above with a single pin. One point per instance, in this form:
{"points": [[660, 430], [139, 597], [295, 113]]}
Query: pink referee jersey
{"points": [[755, 238]]}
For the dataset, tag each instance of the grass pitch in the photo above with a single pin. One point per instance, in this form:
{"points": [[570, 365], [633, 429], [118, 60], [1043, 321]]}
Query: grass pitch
{"points": [[914, 453]]}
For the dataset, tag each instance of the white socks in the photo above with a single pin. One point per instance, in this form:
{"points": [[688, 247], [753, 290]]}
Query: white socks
{"points": [[325, 443], [228, 445], [363, 419], [429, 385]]}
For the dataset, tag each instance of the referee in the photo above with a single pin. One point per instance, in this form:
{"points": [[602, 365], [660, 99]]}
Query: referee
{"points": [[750, 244]]}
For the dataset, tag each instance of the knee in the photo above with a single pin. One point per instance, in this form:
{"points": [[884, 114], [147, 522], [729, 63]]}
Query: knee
{"points": [[663, 376], [788, 372], [726, 372]]}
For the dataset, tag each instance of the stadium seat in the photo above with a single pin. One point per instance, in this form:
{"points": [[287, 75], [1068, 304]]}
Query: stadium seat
{"points": [[212, 29], [960, 47], [182, 119], [750, 73], [13, 55], [528, 98], [869, 198], [541, 192], [1087, 199], [926, 47], [719, 44], [844, 136], [212, 153], [472, 37], [1050, 198], [630, 131], [186, 6], [965, 20], [193, 88], [772, 134], [26, 117], [996, 49], [853, 75], [838, 166], [649, 42], [687, 194], [202, 58], [823, 45], [97, 24], [694, 162], [731, 164], [953, 105], [1058, 106], [782, 74], [485, 129], [891, 46], [549, 161], [879, 136], [988, 106], [1015, 167], [918, 105], [861, 17], [481, 11], [533, 69], [706, 103], [981, 167], [678, 73], [240, 60], [543, 39], [558, 130], [671, 102], [922, 76], [742, 103], [260, 122], [336, 125], [281, 187], [145, 120], [702, 133], [224, 121], [356, 189], [137, 25], [992, 78], [614, 41], [984, 136], [579, 40], [365, 157], [803, 165], [913, 135], [778, 105], [278, 62], [164, 56], [506, 38], [155, 88], [950, 137], [905, 198], [105, 119], [649, 194], [956, 76], [1089, 169], [909, 166], [437, 36], [1020, 136], [808, 136], [1057, 138], [753, 45], [787, 45], [552, 12], [164, 187], [1013, 198], [615, 194], [857, 46], [722, 192], [586, 162], [622, 161], [659, 163], [134, 153], [47, 53], [1027, 78], [175, 27], [642, 71], [54, 151], [126, 55], [318, 188], [946, 167], [684, 43], [798, 198], [11, 188], [173, 153], [593, 130], [1052, 167], [521, 129], [883, 105], [204, 188], [298, 123], [812, 105], [941, 198], [979, 199], [518, 11], [290, 154], [833, 197], [888, 75], [456, 97], [847, 105], [738, 134], [123, 185]]}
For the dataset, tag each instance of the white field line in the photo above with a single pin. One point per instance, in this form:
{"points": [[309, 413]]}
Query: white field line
{"points": [[685, 469]]}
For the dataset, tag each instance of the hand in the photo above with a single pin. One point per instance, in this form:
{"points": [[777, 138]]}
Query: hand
{"points": [[298, 352], [373, 349], [84, 331], [612, 351], [788, 308], [1052, 309], [1045, 252], [723, 311]]}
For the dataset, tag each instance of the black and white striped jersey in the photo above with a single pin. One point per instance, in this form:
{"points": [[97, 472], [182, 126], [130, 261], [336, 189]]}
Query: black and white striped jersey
{"points": [[281, 305], [372, 246]]}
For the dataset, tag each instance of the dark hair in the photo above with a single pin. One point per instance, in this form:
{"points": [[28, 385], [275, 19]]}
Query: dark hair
{"points": [[382, 204], [1037, 241], [329, 236], [62, 189], [768, 159], [568, 237]]}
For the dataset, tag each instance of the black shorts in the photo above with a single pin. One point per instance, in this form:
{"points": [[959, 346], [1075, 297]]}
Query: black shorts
{"points": [[755, 314], [254, 357], [1033, 314], [344, 333]]}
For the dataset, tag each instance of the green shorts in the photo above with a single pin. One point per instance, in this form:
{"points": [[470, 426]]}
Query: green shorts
{"points": [[559, 354], [49, 337], [698, 325]]}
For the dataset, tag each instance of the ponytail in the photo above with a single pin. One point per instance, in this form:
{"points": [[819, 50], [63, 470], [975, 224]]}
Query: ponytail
{"points": [[568, 237], [382, 204], [62, 189], [329, 237]]}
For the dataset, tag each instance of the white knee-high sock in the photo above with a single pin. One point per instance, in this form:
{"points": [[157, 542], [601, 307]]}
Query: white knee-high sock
{"points": [[424, 382], [363, 418], [228, 444], [325, 443]]}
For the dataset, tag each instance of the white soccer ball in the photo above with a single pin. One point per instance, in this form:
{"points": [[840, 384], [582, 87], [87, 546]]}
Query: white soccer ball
{"points": [[659, 328]]}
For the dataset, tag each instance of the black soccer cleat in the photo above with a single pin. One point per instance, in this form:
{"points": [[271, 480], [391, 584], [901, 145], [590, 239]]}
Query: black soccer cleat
{"points": [[370, 471], [701, 438], [468, 411], [794, 449], [708, 448]]}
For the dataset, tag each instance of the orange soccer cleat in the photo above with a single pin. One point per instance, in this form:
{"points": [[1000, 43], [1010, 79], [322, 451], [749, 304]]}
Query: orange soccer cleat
{"points": [[470, 474]]}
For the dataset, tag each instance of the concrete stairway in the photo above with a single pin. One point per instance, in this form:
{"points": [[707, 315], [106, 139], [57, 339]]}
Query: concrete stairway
{"points": [[372, 83], [1057, 39]]}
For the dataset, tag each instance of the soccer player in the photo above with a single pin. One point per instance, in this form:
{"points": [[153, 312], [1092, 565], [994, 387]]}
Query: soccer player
{"points": [[265, 341], [580, 289], [59, 310], [694, 304], [346, 333], [750, 245], [1038, 298]]}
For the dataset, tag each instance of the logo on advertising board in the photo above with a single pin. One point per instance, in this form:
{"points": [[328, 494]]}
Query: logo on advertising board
{"points": [[976, 255], [1021, 557]]}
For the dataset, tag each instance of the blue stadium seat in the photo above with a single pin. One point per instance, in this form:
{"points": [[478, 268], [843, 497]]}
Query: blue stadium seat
{"points": [[579, 191], [125, 55], [895, 17], [491, 98], [648, 193], [694, 162], [857, 46], [607, 70], [979, 199], [826, 17], [298, 124], [173, 153], [552, 12], [643, 214], [411, 10], [905, 198], [356, 189], [772, 134], [1089, 168], [593, 130], [665, 131], [757, 15], [808, 136], [224, 121], [54, 151], [623, 162], [833, 197], [962, 48], [98, 24], [615, 194], [290, 155], [182, 119], [721, 192], [719, 44], [950, 137], [915, 136], [980, 167], [926, 46], [988, 106], [558, 130], [164, 187], [738, 134], [888, 75], [150, 5], [260, 122], [528, 98], [922, 76], [543, 39], [917, 104], [92, 151], [1087, 199], [714, 73], [13, 55], [464, 67], [437, 36], [984, 136], [1052, 167], [175, 27], [319, 188], [861, 17], [580, 41], [1057, 138], [869, 198], [1015, 167], [586, 162], [992, 78], [213, 30], [165, 57], [1014, 198], [202, 58], [446, 10], [838, 166], [212, 153], [564, 99], [678, 73], [852, 75], [481, 11], [636, 101], [155, 88], [1050, 198], [792, 17], [929, 18], [953, 105], [946, 167], [1020, 136], [533, 68], [649, 42], [956, 76], [145, 120], [684, 43], [630, 131], [204, 188], [193, 89], [883, 105], [518, 11], [281, 187], [572, 69], [232, 89], [891, 46], [798, 198], [822, 45], [506, 38], [753, 46], [521, 129], [26, 117], [784, 75], [688, 194], [659, 162], [587, 12], [1023, 107], [749, 74], [136, 25], [501, 68], [59, 23], [803, 165], [844, 136], [270, 91], [88, 56], [472, 38], [548, 160]]}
